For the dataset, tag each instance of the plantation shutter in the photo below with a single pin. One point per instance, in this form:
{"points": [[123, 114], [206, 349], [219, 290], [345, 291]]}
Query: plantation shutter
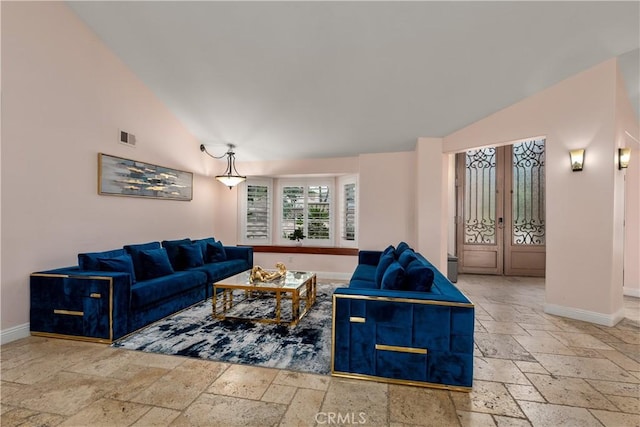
{"points": [[319, 212], [349, 212], [292, 209], [258, 202]]}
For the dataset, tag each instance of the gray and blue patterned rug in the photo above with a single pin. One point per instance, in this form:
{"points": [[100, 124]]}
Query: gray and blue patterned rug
{"points": [[195, 333]]}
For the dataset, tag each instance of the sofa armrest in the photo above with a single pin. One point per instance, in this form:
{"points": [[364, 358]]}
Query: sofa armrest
{"points": [[369, 257], [88, 305], [244, 253], [402, 338]]}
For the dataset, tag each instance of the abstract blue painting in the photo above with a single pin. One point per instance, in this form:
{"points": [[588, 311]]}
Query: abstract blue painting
{"points": [[123, 177]]}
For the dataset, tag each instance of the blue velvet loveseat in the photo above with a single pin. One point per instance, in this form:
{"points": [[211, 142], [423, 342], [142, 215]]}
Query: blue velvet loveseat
{"points": [[112, 293], [402, 321]]}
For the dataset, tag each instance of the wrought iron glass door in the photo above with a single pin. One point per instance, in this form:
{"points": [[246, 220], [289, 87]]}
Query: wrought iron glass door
{"points": [[501, 211]]}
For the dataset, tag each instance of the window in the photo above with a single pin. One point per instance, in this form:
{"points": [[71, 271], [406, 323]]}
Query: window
{"points": [[324, 209], [349, 212], [307, 206], [255, 208], [348, 204]]}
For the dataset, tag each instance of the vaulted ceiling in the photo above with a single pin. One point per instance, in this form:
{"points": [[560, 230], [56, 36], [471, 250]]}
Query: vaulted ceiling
{"points": [[326, 79]]}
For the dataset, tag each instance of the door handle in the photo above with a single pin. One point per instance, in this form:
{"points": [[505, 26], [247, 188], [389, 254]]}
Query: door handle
{"points": [[500, 223]]}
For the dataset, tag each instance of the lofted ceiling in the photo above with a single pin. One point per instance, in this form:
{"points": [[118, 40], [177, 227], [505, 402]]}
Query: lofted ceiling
{"points": [[285, 80]]}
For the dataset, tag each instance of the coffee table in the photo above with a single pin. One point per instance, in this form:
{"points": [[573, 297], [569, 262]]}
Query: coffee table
{"points": [[297, 286]]}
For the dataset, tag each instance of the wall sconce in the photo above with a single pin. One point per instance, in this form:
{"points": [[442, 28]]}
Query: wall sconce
{"points": [[577, 159], [624, 155], [231, 177]]}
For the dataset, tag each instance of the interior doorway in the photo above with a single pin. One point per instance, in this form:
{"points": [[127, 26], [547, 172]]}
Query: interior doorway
{"points": [[500, 219]]}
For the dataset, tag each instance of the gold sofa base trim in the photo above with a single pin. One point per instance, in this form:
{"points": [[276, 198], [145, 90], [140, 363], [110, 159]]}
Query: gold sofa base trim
{"points": [[400, 382], [71, 337]]}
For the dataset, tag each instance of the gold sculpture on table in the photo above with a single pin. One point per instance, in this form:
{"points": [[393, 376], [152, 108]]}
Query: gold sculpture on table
{"points": [[261, 275]]}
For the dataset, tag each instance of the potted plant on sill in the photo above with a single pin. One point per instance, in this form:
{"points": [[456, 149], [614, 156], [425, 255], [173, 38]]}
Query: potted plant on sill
{"points": [[297, 235]]}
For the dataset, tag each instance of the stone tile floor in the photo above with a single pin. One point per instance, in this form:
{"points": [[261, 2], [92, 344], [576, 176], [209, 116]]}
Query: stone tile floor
{"points": [[531, 369]]}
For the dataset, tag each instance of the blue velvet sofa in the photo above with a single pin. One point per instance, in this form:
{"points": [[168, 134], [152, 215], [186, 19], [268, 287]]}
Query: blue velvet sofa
{"points": [[112, 293], [401, 321]]}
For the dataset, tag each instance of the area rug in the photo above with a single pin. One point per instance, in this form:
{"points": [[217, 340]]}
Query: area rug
{"points": [[194, 332]]}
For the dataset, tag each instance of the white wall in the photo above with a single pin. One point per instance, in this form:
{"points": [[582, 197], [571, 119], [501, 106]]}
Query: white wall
{"points": [[584, 209], [387, 200], [629, 189], [64, 98], [432, 199]]}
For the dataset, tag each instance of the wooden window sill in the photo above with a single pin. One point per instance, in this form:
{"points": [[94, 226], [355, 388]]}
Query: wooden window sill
{"points": [[316, 250]]}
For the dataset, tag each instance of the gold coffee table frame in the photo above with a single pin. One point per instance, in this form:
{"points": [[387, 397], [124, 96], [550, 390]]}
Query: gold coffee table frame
{"points": [[298, 286]]}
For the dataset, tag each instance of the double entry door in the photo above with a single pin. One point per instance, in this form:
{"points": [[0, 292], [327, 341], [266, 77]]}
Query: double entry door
{"points": [[501, 210]]}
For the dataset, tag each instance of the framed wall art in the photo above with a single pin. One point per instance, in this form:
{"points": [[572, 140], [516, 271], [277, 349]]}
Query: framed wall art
{"points": [[118, 176]]}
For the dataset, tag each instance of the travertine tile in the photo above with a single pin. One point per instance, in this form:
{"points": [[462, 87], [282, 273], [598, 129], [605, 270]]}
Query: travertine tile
{"points": [[487, 397], [357, 397], [107, 413], [157, 417], [304, 409], [435, 406], [616, 419], [543, 344], [573, 339], [180, 386], [277, 393], [475, 419], [570, 392], [54, 359], [627, 404], [26, 417], [621, 360], [151, 359], [584, 367], [524, 392], [249, 382], [500, 370], [616, 388], [546, 414], [65, 393], [533, 367], [136, 380], [494, 327], [502, 347], [511, 422], [626, 336], [48, 382], [300, 379], [218, 410]]}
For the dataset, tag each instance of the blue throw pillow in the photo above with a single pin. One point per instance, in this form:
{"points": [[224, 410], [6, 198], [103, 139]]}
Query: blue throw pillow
{"points": [[419, 277], [134, 251], [191, 256], [216, 252], [89, 261], [203, 245], [394, 277], [402, 246], [406, 257], [155, 263], [389, 249], [173, 251], [383, 264], [122, 264]]}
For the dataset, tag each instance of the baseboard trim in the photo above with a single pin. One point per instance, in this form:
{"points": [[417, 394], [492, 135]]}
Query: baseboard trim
{"points": [[333, 275], [14, 333], [585, 315], [631, 292]]}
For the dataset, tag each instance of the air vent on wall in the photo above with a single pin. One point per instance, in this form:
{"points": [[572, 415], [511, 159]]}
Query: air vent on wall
{"points": [[127, 138]]}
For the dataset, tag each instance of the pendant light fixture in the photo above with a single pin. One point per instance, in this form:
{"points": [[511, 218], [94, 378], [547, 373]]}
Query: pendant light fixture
{"points": [[231, 177]]}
